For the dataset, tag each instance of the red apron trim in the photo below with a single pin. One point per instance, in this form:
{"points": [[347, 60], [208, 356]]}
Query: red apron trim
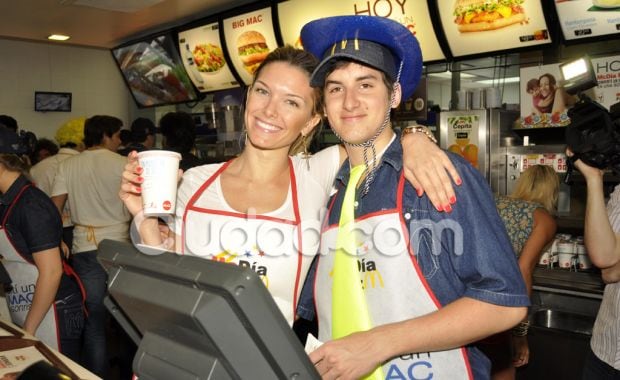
{"points": [[297, 222], [6, 217]]}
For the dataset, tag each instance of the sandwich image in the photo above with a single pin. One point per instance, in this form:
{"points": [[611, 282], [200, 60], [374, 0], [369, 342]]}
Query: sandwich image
{"points": [[480, 15], [252, 49]]}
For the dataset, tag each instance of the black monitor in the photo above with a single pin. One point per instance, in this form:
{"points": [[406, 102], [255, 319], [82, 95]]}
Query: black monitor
{"points": [[199, 319]]}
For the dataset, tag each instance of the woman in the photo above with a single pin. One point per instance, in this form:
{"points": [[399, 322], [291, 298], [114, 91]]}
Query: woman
{"points": [[528, 216], [551, 98], [252, 210], [44, 300]]}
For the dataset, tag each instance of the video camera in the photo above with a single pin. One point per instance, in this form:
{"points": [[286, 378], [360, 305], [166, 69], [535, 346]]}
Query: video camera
{"points": [[22, 143], [594, 134]]}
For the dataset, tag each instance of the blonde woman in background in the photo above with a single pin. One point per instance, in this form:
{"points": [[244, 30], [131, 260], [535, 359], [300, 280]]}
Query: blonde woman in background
{"points": [[528, 216]]}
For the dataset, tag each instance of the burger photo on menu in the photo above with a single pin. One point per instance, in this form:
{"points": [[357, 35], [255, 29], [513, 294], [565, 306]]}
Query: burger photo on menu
{"points": [[481, 15], [253, 49]]}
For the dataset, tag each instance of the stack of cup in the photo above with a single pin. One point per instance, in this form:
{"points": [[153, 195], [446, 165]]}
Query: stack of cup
{"points": [[583, 258]]}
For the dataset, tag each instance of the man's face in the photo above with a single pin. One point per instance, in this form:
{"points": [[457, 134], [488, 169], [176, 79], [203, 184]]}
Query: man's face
{"points": [[356, 102]]}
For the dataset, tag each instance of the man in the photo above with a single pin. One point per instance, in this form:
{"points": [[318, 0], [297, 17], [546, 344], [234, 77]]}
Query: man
{"points": [[89, 183], [142, 136], [463, 283], [70, 137], [602, 239]]}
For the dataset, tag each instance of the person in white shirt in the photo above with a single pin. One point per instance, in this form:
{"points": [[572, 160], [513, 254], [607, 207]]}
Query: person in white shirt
{"points": [[70, 138], [268, 190], [89, 183]]}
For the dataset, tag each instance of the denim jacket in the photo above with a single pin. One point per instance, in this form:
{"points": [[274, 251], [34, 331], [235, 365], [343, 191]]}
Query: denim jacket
{"points": [[470, 255]]}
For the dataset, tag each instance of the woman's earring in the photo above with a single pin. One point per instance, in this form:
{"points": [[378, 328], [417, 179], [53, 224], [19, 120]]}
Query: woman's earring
{"points": [[304, 141]]}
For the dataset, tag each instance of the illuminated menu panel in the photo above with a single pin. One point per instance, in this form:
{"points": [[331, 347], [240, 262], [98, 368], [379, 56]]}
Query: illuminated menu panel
{"points": [[202, 55], [154, 72], [588, 18], [476, 27], [294, 14], [249, 38]]}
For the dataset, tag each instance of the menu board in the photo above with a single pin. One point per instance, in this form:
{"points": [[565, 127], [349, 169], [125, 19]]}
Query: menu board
{"points": [[476, 27], [154, 72], [203, 58], [294, 14], [249, 39], [588, 18]]}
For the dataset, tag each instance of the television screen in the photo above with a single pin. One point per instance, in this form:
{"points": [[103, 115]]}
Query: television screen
{"points": [[204, 59], [581, 19], [294, 14], [199, 319], [154, 72], [249, 38], [480, 27], [52, 101]]}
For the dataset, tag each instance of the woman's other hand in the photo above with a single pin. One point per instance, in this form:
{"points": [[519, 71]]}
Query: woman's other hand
{"points": [[521, 351], [429, 170]]}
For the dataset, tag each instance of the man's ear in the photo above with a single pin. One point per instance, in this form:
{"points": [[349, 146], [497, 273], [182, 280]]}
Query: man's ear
{"points": [[396, 96]]}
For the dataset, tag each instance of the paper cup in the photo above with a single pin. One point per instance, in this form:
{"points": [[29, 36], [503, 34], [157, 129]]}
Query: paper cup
{"points": [[159, 189], [584, 261]]}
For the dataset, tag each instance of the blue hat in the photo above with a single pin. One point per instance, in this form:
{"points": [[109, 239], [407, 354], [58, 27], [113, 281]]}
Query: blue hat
{"points": [[378, 42]]}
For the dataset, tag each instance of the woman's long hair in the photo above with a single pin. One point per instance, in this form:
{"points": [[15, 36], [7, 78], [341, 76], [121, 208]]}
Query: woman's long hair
{"points": [[14, 163]]}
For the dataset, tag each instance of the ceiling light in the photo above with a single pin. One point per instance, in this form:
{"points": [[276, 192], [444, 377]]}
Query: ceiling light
{"points": [[448, 75], [58, 37], [501, 80]]}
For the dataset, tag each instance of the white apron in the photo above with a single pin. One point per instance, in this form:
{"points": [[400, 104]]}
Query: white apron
{"points": [[24, 276], [395, 290], [268, 245]]}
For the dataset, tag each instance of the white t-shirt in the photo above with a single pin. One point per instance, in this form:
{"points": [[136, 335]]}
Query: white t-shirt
{"points": [[605, 341], [44, 173], [92, 180], [313, 186], [267, 243]]}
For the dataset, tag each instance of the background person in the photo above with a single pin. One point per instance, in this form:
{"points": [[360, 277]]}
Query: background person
{"points": [[528, 216], [43, 149], [419, 306], [179, 132], [142, 136], [602, 241], [89, 183], [44, 300], [70, 137], [268, 184]]}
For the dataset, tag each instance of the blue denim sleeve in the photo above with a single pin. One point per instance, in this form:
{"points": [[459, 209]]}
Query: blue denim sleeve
{"points": [[305, 306], [468, 253]]}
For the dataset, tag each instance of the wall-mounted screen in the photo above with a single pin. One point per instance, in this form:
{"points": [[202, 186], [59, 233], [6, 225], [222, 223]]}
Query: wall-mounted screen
{"points": [[204, 60], [249, 38], [52, 101], [294, 14], [475, 27], [588, 18], [154, 72]]}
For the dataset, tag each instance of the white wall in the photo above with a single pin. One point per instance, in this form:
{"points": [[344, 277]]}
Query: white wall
{"points": [[89, 74], [440, 92]]}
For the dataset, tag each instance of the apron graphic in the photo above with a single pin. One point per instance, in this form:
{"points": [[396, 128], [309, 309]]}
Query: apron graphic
{"points": [[395, 290], [271, 246], [24, 275]]}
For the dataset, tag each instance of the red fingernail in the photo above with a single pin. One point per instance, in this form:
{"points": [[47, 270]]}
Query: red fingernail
{"points": [[139, 169], [420, 192], [138, 189], [452, 200], [458, 181], [139, 179], [439, 208], [447, 208]]}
